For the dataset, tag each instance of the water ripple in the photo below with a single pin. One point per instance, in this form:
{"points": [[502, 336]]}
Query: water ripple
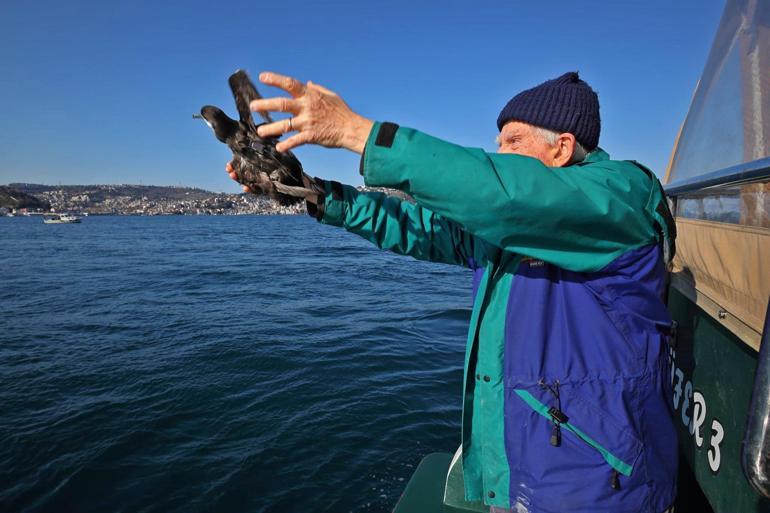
{"points": [[220, 364]]}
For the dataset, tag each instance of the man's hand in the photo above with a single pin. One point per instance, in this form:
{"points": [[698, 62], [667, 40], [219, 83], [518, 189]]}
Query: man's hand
{"points": [[320, 116], [231, 171], [309, 190]]}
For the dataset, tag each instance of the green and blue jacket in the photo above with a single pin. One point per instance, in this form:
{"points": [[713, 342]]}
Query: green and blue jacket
{"points": [[566, 403]]}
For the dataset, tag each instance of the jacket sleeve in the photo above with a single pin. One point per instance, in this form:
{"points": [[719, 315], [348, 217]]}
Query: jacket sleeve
{"points": [[398, 226], [579, 217]]}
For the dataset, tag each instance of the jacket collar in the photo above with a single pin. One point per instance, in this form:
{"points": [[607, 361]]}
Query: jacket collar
{"points": [[597, 155]]}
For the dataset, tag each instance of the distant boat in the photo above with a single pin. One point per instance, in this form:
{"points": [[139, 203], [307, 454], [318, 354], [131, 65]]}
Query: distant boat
{"points": [[60, 219]]}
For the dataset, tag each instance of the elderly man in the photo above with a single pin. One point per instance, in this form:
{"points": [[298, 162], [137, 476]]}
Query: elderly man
{"points": [[567, 402]]}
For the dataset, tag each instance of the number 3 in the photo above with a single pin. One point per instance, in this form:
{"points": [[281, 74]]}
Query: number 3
{"points": [[718, 433]]}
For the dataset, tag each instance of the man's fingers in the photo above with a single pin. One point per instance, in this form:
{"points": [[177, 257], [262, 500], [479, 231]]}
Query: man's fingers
{"points": [[291, 85], [246, 189], [294, 141], [275, 105], [231, 171], [276, 128], [321, 88]]}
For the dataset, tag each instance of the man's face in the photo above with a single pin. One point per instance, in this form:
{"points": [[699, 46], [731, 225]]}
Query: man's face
{"points": [[519, 138]]}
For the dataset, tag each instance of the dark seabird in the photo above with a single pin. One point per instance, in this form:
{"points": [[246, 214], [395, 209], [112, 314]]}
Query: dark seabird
{"points": [[257, 163]]}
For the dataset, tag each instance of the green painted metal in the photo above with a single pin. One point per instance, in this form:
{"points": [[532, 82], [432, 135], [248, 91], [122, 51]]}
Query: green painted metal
{"points": [[615, 462], [454, 495], [425, 491], [712, 376]]}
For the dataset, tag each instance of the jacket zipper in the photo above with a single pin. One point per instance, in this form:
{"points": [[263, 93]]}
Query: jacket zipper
{"points": [[557, 416]]}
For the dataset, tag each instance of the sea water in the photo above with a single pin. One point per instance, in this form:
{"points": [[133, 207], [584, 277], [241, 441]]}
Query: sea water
{"points": [[225, 364]]}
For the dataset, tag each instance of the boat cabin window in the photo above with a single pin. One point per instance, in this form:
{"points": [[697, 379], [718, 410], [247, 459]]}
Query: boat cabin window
{"points": [[745, 204]]}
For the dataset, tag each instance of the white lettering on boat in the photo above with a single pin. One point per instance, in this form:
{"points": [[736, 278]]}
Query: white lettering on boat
{"points": [[693, 414]]}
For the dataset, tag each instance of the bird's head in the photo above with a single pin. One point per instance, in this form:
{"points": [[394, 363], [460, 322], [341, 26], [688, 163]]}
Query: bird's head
{"points": [[222, 125]]}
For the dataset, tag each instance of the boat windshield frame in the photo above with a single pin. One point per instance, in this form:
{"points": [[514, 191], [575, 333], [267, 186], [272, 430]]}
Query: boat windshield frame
{"points": [[747, 172]]}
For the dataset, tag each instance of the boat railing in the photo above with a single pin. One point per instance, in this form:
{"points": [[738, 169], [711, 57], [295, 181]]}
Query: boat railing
{"points": [[741, 173], [756, 441]]}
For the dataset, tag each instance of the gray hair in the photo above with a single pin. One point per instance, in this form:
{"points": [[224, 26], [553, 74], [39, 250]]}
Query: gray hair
{"points": [[551, 136]]}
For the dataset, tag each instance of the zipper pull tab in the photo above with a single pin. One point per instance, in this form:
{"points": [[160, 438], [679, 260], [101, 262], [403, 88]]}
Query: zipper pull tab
{"points": [[556, 435], [615, 483], [557, 417]]}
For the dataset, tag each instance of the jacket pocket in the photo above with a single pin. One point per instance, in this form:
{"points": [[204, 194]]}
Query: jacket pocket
{"points": [[576, 458], [616, 446]]}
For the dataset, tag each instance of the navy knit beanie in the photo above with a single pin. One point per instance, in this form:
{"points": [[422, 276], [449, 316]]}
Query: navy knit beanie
{"points": [[565, 104]]}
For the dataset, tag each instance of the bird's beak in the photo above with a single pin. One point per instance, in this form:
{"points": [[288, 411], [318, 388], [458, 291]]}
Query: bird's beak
{"points": [[198, 116]]}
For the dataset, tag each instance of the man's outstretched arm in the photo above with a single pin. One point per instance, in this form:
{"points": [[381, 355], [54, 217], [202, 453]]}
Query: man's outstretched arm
{"points": [[393, 224], [579, 217], [397, 225]]}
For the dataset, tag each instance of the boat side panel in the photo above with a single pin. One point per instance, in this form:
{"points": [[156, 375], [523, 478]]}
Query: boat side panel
{"points": [[712, 378]]}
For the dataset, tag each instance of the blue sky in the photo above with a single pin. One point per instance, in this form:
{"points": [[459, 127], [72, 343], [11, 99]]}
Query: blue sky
{"points": [[103, 92]]}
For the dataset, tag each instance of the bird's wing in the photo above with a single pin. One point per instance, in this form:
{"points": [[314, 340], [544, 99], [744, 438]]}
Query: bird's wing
{"points": [[244, 93]]}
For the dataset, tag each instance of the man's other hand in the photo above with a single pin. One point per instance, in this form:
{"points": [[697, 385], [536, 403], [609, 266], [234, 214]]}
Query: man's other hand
{"points": [[231, 171], [319, 116]]}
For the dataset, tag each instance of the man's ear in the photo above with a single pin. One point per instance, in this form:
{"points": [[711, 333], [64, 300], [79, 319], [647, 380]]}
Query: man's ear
{"points": [[565, 149]]}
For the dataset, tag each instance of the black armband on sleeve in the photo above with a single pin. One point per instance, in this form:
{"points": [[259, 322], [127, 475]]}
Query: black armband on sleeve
{"points": [[385, 136]]}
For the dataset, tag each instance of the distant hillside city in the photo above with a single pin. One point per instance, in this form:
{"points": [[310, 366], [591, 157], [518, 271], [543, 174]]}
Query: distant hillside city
{"points": [[146, 200]]}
